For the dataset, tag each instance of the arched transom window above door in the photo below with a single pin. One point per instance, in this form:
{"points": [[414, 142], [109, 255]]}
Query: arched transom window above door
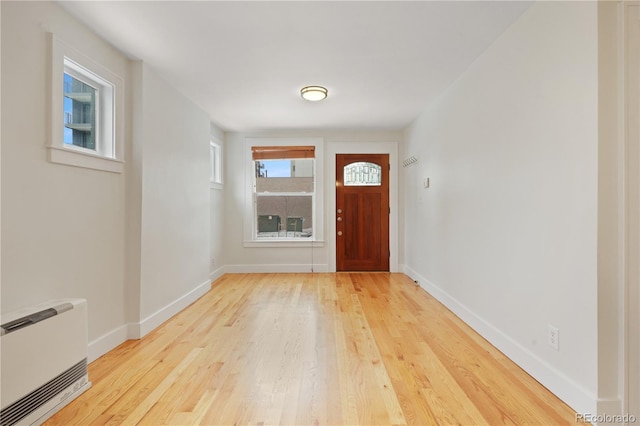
{"points": [[362, 174]]}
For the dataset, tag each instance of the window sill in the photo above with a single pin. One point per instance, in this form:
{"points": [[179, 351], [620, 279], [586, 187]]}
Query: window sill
{"points": [[284, 243], [80, 159]]}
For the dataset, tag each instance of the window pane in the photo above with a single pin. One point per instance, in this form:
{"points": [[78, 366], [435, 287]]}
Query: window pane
{"points": [[215, 163], [302, 167], [79, 113], [362, 174], [284, 216], [212, 163], [284, 175]]}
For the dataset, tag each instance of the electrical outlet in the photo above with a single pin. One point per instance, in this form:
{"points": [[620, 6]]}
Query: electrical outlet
{"points": [[553, 337]]}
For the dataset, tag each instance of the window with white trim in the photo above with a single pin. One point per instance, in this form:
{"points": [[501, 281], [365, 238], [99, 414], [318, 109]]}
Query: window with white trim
{"points": [[215, 163], [284, 192], [86, 99], [88, 110]]}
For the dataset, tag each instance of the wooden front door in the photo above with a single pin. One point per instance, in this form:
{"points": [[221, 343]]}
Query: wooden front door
{"points": [[362, 212]]}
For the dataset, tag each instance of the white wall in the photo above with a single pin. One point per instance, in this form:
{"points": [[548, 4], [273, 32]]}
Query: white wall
{"points": [[506, 235], [239, 258], [62, 226], [175, 218], [136, 245], [0, 165], [630, 171]]}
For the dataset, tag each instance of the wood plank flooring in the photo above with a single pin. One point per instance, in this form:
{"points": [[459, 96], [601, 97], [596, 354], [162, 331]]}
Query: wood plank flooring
{"points": [[312, 349]]}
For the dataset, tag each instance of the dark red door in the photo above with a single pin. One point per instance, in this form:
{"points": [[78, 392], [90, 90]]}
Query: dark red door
{"points": [[362, 212]]}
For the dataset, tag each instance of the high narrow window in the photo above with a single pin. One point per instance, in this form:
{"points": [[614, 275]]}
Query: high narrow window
{"points": [[215, 164], [88, 110], [284, 192]]}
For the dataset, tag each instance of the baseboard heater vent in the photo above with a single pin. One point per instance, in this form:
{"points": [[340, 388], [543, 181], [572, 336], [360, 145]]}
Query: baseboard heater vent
{"points": [[26, 405], [44, 360]]}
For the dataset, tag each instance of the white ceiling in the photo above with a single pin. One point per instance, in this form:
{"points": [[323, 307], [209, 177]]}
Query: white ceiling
{"points": [[245, 62]]}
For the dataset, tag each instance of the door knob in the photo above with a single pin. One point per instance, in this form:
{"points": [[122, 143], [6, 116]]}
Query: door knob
{"points": [[339, 211], [339, 219], [339, 233]]}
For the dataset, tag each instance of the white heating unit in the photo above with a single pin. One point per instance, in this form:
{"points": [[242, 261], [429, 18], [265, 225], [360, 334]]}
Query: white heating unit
{"points": [[43, 360]]}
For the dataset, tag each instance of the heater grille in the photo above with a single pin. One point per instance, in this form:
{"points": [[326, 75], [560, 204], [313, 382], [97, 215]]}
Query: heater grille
{"points": [[21, 408]]}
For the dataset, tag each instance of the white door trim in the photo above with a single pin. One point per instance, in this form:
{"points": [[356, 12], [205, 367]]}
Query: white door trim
{"points": [[632, 210]]}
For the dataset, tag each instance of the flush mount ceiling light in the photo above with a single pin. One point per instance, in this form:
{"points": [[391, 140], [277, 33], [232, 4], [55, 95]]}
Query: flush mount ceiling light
{"points": [[313, 93]]}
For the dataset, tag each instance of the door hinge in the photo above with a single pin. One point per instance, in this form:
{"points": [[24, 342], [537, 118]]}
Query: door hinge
{"points": [[389, 210]]}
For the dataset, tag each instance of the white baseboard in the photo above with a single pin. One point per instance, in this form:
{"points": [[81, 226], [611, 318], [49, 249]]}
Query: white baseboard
{"points": [[130, 331], [106, 342], [147, 325], [559, 384], [299, 268], [214, 275]]}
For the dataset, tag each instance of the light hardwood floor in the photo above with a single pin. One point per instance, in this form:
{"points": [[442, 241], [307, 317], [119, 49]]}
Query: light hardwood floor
{"points": [[312, 349]]}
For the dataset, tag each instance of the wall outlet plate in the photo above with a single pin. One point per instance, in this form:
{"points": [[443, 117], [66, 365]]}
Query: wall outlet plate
{"points": [[553, 337]]}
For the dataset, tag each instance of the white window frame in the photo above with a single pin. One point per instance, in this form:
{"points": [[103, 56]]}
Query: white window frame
{"points": [[109, 153], [215, 163], [250, 217]]}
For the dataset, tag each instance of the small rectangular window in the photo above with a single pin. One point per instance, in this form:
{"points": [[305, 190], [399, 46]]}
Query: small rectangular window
{"points": [[215, 163], [87, 110]]}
